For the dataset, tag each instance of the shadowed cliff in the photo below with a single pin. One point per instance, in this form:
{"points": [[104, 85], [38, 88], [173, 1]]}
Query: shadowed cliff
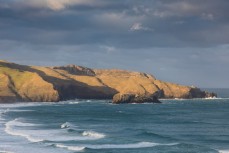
{"points": [[34, 83]]}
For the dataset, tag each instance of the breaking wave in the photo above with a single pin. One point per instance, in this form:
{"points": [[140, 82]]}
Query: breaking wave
{"points": [[17, 128], [10, 130], [114, 146], [72, 148], [65, 125], [93, 134], [223, 151]]}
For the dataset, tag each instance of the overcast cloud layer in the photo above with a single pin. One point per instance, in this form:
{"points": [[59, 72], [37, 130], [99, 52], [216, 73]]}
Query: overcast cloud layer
{"points": [[183, 41]]}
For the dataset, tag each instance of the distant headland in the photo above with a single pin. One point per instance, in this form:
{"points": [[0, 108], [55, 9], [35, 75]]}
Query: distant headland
{"points": [[21, 83]]}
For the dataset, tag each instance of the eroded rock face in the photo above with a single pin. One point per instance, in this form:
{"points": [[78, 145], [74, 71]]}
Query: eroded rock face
{"points": [[134, 98], [197, 93], [35, 83], [210, 95], [76, 70]]}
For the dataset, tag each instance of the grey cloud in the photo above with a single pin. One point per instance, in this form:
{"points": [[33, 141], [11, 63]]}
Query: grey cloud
{"points": [[175, 39], [110, 21], [49, 4]]}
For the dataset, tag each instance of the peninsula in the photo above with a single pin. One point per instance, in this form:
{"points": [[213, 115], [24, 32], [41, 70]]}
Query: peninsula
{"points": [[21, 83]]}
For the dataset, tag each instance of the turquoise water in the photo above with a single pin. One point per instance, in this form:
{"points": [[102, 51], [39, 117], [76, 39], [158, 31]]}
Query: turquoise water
{"points": [[91, 126]]}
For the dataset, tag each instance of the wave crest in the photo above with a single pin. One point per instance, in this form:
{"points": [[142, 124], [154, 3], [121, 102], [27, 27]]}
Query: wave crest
{"points": [[65, 125], [93, 134], [114, 146], [9, 129], [72, 148], [223, 151]]}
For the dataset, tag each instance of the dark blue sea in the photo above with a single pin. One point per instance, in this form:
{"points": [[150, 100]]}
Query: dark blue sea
{"points": [[97, 126]]}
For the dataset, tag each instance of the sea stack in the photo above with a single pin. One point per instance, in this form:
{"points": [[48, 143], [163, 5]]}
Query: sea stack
{"points": [[134, 98]]}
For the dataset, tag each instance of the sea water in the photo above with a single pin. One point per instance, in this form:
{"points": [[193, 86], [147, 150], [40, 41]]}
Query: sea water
{"points": [[91, 126]]}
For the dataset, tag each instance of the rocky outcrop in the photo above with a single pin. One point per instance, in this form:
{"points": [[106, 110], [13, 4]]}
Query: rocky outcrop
{"points": [[76, 70], [35, 83], [134, 98], [210, 94], [197, 93]]}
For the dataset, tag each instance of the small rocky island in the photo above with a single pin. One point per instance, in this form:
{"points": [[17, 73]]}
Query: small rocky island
{"points": [[21, 83], [134, 98]]}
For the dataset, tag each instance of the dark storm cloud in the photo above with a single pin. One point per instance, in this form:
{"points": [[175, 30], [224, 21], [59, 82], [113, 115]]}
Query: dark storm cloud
{"points": [[173, 23], [176, 36], [163, 23]]}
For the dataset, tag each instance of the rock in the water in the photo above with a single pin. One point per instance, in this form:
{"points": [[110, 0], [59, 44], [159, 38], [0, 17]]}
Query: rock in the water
{"points": [[210, 95], [197, 93], [134, 98]]}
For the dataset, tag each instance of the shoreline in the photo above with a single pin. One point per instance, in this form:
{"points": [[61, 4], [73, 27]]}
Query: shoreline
{"points": [[108, 101]]}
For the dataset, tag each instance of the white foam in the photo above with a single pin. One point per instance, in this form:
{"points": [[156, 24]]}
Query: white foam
{"points": [[128, 146], [65, 125], [114, 146], [72, 148], [25, 104], [18, 128], [212, 98], [93, 134], [20, 110], [223, 151], [194, 99], [74, 102], [68, 102], [9, 129]]}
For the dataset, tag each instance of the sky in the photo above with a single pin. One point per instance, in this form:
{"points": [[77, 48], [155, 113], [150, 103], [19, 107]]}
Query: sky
{"points": [[181, 41]]}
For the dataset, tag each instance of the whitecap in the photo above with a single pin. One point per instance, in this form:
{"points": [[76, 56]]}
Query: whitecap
{"points": [[68, 102], [72, 148], [93, 134], [212, 98], [223, 151], [65, 125], [26, 104], [114, 146], [20, 110], [128, 146], [17, 128], [74, 102]]}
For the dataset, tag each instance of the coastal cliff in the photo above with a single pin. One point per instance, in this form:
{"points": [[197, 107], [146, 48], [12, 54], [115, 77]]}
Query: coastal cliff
{"points": [[52, 84]]}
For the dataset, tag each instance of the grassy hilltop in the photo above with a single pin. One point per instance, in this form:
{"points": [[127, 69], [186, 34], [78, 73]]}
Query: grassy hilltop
{"points": [[35, 83]]}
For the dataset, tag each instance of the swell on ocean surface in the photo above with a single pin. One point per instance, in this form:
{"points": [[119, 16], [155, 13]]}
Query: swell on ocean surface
{"points": [[18, 128], [90, 126]]}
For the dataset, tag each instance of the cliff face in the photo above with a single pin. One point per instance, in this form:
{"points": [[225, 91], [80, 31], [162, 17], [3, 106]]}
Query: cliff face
{"points": [[33, 83], [19, 84]]}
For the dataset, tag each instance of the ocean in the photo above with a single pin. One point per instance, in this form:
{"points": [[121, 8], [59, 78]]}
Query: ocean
{"points": [[97, 126]]}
